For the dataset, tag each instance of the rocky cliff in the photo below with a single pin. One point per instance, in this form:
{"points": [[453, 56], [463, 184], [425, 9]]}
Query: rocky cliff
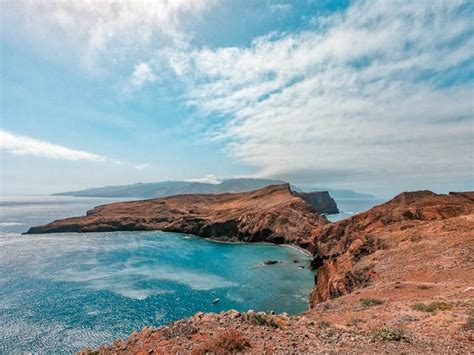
{"points": [[272, 214], [342, 251], [321, 201]]}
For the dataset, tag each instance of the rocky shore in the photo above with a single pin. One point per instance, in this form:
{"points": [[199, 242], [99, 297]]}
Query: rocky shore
{"points": [[398, 278]]}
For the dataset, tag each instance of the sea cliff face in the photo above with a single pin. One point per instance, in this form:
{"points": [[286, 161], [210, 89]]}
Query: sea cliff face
{"points": [[272, 214], [321, 201]]}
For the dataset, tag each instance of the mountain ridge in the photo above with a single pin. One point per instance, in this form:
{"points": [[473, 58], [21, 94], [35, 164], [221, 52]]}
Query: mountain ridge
{"points": [[170, 188]]}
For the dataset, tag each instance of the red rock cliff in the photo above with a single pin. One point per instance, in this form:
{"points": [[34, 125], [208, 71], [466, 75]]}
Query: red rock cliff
{"points": [[341, 249], [273, 214]]}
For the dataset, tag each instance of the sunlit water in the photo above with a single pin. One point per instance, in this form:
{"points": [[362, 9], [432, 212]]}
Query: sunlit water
{"points": [[63, 292], [349, 207]]}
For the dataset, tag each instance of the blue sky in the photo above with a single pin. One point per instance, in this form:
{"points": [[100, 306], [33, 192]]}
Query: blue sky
{"points": [[375, 96]]}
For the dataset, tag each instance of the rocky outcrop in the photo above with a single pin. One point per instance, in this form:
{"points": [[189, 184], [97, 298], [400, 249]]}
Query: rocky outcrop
{"points": [[341, 249], [272, 214], [321, 201]]}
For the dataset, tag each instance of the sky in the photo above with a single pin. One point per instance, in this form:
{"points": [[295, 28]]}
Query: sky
{"points": [[374, 96]]}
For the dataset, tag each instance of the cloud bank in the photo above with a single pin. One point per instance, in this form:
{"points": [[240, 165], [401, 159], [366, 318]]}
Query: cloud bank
{"points": [[379, 92], [21, 145]]}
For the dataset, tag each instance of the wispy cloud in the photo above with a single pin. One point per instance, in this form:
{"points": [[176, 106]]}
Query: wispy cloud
{"points": [[22, 145], [280, 7], [379, 91], [142, 166], [142, 74]]}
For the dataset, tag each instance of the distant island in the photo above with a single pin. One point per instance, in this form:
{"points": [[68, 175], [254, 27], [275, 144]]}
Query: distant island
{"points": [[171, 188]]}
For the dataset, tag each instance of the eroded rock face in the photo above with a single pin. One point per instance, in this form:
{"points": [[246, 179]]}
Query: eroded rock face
{"points": [[273, 214], [321, 201], [340, 249]]}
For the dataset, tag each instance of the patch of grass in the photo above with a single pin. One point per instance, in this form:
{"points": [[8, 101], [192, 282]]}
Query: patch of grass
{"points": [[371, 302], [228, 342], [389, 334], [431, 307]]}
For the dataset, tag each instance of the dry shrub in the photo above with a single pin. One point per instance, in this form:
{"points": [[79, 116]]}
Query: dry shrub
{"points": [[388, 334], [261, 318], [179, 329], [432, 307], [371, 302], [228, 342]]}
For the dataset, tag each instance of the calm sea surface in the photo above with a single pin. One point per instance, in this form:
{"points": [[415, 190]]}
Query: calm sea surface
{"points": [[351, 206], [62, 292]]}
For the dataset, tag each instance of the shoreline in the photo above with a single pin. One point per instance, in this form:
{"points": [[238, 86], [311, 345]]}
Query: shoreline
{"points": [[297, 248]]}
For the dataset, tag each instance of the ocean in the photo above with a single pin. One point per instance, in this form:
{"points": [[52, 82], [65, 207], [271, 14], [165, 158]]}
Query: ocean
{"points": [[60, 293], [351, 206]]}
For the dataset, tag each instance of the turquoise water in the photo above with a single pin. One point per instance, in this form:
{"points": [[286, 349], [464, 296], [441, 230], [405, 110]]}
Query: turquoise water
{"points": [[63, 292]]}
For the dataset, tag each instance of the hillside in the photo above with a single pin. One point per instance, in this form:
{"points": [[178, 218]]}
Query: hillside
{"points": [[170, 188]]}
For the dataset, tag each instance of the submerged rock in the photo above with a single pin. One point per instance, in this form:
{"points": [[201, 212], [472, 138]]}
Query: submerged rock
{"points": [[270, 262]]}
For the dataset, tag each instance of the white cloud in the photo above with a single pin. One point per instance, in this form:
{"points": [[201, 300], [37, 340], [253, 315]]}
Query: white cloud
{"points": [[280, 7], [142, 166], [97, 31], [141, 75], [22, 145], [208, 179], [361, 98]]}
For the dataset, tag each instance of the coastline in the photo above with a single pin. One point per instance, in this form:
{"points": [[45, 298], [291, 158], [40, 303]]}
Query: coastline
{"points": [[291, 246], [297, 248]]}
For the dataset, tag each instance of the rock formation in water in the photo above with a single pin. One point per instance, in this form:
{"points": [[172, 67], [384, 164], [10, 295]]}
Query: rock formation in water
{"points": [[321, 201], [272, 214], [398, 278]]}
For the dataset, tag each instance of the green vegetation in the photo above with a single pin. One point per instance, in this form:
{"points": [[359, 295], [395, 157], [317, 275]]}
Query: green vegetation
{"points": [[388, 334]]}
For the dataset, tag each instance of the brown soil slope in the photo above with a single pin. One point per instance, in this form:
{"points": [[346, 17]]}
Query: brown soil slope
{"points": [[398, 278], [273, 214]]}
